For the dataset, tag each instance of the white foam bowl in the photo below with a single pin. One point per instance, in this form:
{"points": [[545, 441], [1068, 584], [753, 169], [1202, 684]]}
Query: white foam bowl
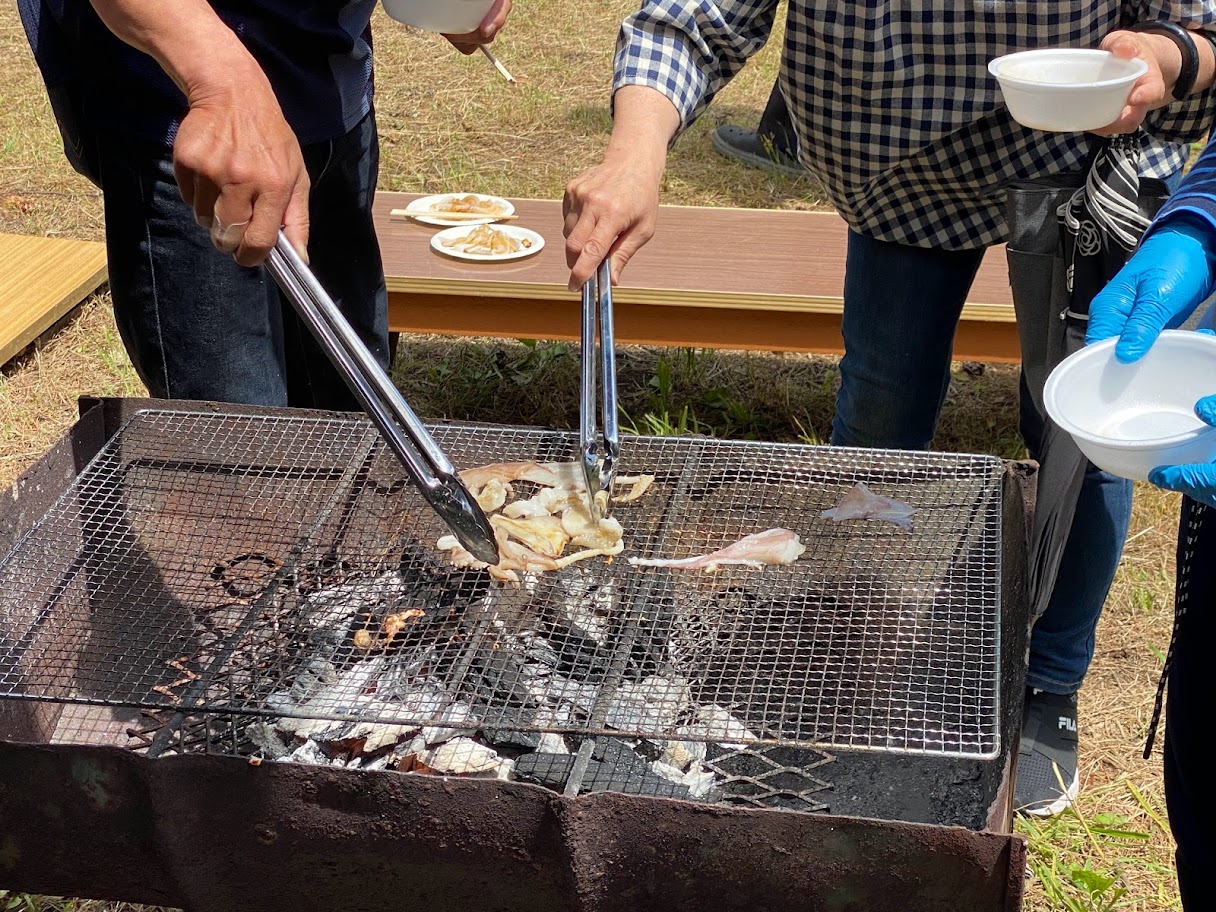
{"points": [[453, 17], [1066, 89], [1131, 418]]}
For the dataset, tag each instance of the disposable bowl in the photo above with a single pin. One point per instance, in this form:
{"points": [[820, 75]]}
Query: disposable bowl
{"points": [[1065, 89], [452, 17], [1131, 418]]}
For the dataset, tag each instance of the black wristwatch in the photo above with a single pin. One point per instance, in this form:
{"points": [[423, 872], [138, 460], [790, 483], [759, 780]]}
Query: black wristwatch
{"points": [[1186, 45]]}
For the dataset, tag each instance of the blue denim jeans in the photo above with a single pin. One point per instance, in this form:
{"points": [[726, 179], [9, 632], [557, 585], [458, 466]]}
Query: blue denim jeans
{"points": [[198, 326], [901, 308]]}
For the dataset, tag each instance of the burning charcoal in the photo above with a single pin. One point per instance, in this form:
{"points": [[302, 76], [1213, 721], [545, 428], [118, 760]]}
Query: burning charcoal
{"points": [[700, 782], [544, 769], [452, 715], [333, 606], [616, 754], [717, 722], [682, 754], [697, 781], [267, 741], [501, 738], [552, 743], [653, 704], [314, 729], [588, 607], [605, 777], [309, 752], [462, 757], [316, 675], [280, 701], [538, 649], [559, 689], [407, 750]]}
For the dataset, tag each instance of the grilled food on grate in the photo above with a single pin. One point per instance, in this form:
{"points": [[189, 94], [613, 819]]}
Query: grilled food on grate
{"points": [[533, 532]]}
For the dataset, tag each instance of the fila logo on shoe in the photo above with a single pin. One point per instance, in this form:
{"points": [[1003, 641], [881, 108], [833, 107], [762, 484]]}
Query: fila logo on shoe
{"points": [[1067, 723]]}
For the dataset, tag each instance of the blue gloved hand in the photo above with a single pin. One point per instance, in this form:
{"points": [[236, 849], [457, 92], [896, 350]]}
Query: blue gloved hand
{"points": [[1198, 481], [1170, 275]]}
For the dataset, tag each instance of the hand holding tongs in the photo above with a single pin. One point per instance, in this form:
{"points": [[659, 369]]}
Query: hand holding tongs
{"points": [[599, 460], [405, 435]]}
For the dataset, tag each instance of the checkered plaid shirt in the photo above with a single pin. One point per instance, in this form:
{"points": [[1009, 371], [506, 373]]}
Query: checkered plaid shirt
{"points": [[892, 102]]}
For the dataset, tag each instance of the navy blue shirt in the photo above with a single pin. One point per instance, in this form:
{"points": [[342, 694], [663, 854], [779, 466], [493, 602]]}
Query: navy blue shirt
{"points": [[316, 53]]}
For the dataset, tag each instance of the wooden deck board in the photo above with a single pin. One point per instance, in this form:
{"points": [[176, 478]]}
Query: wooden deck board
{"points": [[41, 279], [711, 277]]}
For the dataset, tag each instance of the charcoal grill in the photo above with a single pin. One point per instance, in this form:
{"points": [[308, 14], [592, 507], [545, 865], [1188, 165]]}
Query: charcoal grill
{"points": [[201, 579]]}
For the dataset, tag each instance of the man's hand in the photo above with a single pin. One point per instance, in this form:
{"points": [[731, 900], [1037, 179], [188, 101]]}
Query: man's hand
{"points": [[490, 26], [1158, 288], [1198, 481], [1155, 88], [237, 162], [611, 209]]}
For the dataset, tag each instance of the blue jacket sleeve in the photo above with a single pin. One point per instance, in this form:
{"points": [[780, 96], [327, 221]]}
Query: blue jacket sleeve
{"points": [[1197, 192]]}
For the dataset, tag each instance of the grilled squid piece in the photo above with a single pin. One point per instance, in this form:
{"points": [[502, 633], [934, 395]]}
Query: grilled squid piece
{"points": [[859, 502], [769, 548]]}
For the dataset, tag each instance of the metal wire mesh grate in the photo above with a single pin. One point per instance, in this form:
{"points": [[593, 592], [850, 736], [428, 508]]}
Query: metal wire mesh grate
{"points": [[230, 565]]}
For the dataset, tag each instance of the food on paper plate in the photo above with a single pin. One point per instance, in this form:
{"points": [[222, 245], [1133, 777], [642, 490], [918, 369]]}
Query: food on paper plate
{"points": [[773, 547], [487, 241], [534, 532], [859, 502], [471, 204]]}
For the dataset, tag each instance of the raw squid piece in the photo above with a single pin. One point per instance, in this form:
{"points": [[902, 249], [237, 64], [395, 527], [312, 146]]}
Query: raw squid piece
{"points": [[859, 502], [773, 547]]}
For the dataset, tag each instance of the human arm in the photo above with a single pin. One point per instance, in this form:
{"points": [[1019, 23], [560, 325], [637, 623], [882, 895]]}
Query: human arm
{"points": [[237, 162], [490, 26], [672, 57]]}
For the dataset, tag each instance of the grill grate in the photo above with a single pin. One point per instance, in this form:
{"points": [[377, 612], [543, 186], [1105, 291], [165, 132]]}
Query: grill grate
{"points": [[224, 564]]}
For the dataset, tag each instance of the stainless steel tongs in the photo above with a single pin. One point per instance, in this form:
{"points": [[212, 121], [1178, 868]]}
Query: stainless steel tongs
{"points": [[429, 468], [599, 457]]}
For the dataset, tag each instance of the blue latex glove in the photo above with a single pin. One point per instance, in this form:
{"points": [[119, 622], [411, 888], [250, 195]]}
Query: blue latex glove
{"points": [[1171, 274], [1195, 481]]}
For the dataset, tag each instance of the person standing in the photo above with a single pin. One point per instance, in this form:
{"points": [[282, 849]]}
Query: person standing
{"points": [[897, 117], [208, 124], [772, 146], [1164, 282]]}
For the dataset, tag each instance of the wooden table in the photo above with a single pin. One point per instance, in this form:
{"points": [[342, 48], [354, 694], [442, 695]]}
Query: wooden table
{"points": [[711, 277]]}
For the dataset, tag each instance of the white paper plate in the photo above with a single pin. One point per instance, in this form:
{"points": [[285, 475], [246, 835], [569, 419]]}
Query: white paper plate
{"points": [[418, 208], [516, 232]]}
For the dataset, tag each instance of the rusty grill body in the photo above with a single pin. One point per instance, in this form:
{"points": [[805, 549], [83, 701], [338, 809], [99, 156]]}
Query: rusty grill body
{"points": [[184, 585]]}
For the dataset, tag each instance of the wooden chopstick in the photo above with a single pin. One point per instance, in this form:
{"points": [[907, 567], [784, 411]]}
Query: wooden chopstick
{"points": [[449, 216], [506, 74]]}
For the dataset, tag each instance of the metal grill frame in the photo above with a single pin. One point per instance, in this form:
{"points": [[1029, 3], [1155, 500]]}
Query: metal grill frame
{"points": [[365, 459]]}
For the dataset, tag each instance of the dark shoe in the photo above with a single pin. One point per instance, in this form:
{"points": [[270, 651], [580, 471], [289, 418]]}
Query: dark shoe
{"points": [[752, 149], [1047, 755]]}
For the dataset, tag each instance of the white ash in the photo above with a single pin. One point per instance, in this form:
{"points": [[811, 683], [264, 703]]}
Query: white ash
{"points": [[717, 723], [332, 607], [458, 719], [653, 704]]}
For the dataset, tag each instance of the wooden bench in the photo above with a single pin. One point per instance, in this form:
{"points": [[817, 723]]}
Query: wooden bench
{"points": [[41, 279], [711, 278]]}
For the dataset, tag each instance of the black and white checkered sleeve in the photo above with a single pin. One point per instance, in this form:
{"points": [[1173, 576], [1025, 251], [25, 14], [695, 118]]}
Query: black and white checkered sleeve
{"points": [[1191, 119], [689, 49]]}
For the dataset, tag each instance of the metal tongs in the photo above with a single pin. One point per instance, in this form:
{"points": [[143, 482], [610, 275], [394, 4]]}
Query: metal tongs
{"points": [[599, 458], [428, 467]]}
